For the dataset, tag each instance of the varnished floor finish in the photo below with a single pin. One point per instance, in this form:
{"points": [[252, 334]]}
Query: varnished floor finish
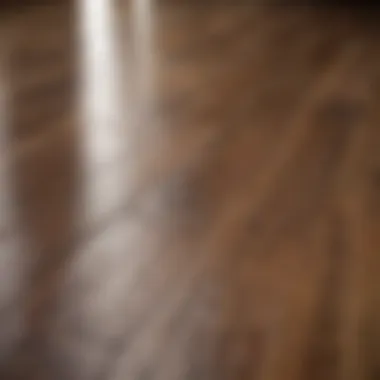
{"points": [[189, 192]]}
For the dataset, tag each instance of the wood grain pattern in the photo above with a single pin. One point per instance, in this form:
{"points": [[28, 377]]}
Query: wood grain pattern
{"points": [[189, 191]]}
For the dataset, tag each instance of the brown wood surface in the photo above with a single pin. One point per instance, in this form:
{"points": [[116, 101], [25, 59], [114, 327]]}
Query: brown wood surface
{"points": [[189, 192]]}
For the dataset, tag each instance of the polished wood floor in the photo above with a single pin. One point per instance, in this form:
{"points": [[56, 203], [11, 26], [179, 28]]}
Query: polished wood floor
{"points": [[189, 191]]}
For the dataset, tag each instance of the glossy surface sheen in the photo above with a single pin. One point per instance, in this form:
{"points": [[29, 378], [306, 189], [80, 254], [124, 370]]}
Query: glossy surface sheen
{"points": [[188, 192]]}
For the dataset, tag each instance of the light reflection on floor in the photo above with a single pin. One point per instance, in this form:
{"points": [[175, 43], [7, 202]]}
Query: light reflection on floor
{"points": [[102, 105]]}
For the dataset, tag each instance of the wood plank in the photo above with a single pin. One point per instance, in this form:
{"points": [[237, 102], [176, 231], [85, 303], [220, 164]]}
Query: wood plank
{"points": [[188, 191]]}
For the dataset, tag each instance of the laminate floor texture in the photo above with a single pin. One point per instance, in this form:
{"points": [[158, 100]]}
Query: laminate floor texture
{"points": [[189, 191]]}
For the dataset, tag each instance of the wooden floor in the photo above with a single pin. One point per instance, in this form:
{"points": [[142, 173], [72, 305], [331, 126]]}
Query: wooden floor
{"points": [[189, 191]]}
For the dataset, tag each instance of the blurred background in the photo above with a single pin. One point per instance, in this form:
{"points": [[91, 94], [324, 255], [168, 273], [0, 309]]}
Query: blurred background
{"points": [[189, 190]]}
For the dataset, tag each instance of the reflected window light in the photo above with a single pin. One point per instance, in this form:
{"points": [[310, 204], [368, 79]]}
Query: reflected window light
{"points": [[100, 79], [107, 263], [102, 105]]}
